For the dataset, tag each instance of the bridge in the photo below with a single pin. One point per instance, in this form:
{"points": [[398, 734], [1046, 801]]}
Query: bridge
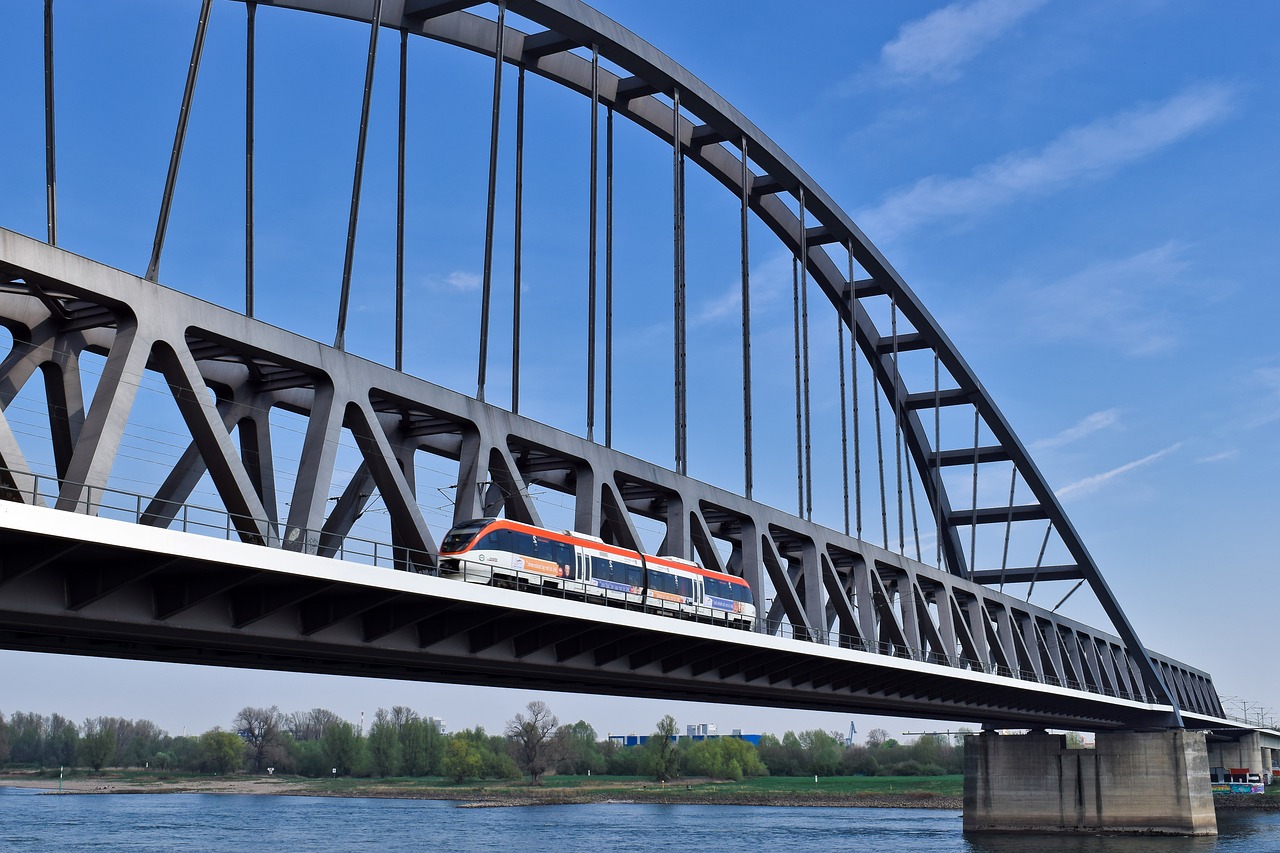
{"points": [[292, 529]]}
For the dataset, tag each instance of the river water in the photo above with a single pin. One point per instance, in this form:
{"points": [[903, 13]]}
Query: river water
{"points": [[36, 821]]}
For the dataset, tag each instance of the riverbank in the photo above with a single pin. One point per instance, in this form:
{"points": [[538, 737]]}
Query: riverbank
{"points": [[843, 792], [881, 793]]}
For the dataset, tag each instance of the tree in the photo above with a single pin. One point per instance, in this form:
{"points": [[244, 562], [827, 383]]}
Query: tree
{"points": [[422, 747], [341, 746], [724, 758], [402, 716], [310, 725], [99, 742], [26, 738], [858, 761], [4, 740], [531, 740], [928, 749], [876, 738], [260, 728], [821, 752], [62, 741], [221, 752], [384, 745], [462, 760], [579, 749], [661, 757]]}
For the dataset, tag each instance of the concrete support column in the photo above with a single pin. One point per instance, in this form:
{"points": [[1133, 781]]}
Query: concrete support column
{"points": [[1243, 753], [1143, 783]]}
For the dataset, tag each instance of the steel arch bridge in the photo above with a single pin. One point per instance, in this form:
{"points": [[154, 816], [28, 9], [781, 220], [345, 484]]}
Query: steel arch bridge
{"points": [[230, 374]]}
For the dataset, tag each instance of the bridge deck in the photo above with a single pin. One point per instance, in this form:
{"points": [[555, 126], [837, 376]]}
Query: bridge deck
{"points": [[79, 584]]}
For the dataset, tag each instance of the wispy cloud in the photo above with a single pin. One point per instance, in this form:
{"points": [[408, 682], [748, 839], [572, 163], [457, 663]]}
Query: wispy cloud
{"points": [[1097, 481], [937, 45], [1219, 457], [1268, 401], [1089, 425], [1088, 152], [1121, 303], [460, 281], [769, 280]]}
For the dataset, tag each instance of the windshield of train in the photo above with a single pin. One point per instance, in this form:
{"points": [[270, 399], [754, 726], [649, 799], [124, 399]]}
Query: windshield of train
{"points": [[459, 537]]}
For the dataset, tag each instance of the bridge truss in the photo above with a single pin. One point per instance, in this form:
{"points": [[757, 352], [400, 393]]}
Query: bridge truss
{"points": [[229, 373]]}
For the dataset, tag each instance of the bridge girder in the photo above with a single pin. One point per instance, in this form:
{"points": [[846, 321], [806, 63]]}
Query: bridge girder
{"points": [[895, 606]]}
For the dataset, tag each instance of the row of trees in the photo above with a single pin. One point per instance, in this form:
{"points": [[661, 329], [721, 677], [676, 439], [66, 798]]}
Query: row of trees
{"points": [[401, 742]]}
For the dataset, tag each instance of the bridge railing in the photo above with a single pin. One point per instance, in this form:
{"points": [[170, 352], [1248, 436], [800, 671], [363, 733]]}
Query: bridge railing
{"points": [[121, 505]]}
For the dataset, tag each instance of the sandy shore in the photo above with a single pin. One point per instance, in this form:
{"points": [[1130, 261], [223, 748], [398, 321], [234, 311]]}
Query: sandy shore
{"points": [[478, 797], [485, 797]]}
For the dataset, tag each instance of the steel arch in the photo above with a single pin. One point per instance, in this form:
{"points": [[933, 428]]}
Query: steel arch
{"points": [[571, 24]]}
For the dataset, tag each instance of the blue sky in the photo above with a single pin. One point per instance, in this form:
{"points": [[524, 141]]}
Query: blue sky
{"points": [[1084, 194]]}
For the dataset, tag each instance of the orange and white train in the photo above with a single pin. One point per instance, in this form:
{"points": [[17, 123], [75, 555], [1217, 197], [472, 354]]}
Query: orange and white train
{"points": [[508, 553]]}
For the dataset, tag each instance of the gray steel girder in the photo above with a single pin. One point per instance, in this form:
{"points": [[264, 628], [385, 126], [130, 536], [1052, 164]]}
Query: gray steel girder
{"points": [[900, 606]]}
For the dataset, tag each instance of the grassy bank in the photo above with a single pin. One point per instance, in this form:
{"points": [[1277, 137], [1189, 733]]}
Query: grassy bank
{"points": [[924, 791]]}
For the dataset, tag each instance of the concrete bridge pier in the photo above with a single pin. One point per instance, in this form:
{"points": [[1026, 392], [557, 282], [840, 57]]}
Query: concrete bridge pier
{"points": [[1245, 750], [1150, 783]]}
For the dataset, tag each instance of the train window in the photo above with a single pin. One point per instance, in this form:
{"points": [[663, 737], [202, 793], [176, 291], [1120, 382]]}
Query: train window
{"points": [[523, 543], [460, 536], [671, 584], [564, 555], [635, 575], [497, 540]]}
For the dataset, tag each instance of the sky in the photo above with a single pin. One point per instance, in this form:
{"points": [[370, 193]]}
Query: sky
{"points": [[1083, 194]]}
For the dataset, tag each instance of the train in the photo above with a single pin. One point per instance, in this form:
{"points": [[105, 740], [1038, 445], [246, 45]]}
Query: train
{"points": [[500, 552]]}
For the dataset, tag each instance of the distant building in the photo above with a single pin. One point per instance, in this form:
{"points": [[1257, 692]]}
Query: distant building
{"points": [[700, 732]]}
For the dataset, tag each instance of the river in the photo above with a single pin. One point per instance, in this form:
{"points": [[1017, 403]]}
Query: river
{"points": [[141, 823]]}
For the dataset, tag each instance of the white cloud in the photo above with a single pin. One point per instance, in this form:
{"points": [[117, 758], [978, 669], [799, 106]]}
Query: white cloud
{"points": [[458, 280], [935, 46], [1121, 303], [1268, 404], [1089, 425], [1097, 481], [769, 280], [1219, 457], [1082, 153]]}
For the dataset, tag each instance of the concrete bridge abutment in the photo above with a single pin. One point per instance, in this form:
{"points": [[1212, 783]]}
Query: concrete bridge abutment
{"points": [[1150, 783]]}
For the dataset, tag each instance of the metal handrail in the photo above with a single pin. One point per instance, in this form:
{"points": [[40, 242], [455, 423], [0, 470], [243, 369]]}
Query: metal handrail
{"points": [[217, 523], [220, 523]]}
